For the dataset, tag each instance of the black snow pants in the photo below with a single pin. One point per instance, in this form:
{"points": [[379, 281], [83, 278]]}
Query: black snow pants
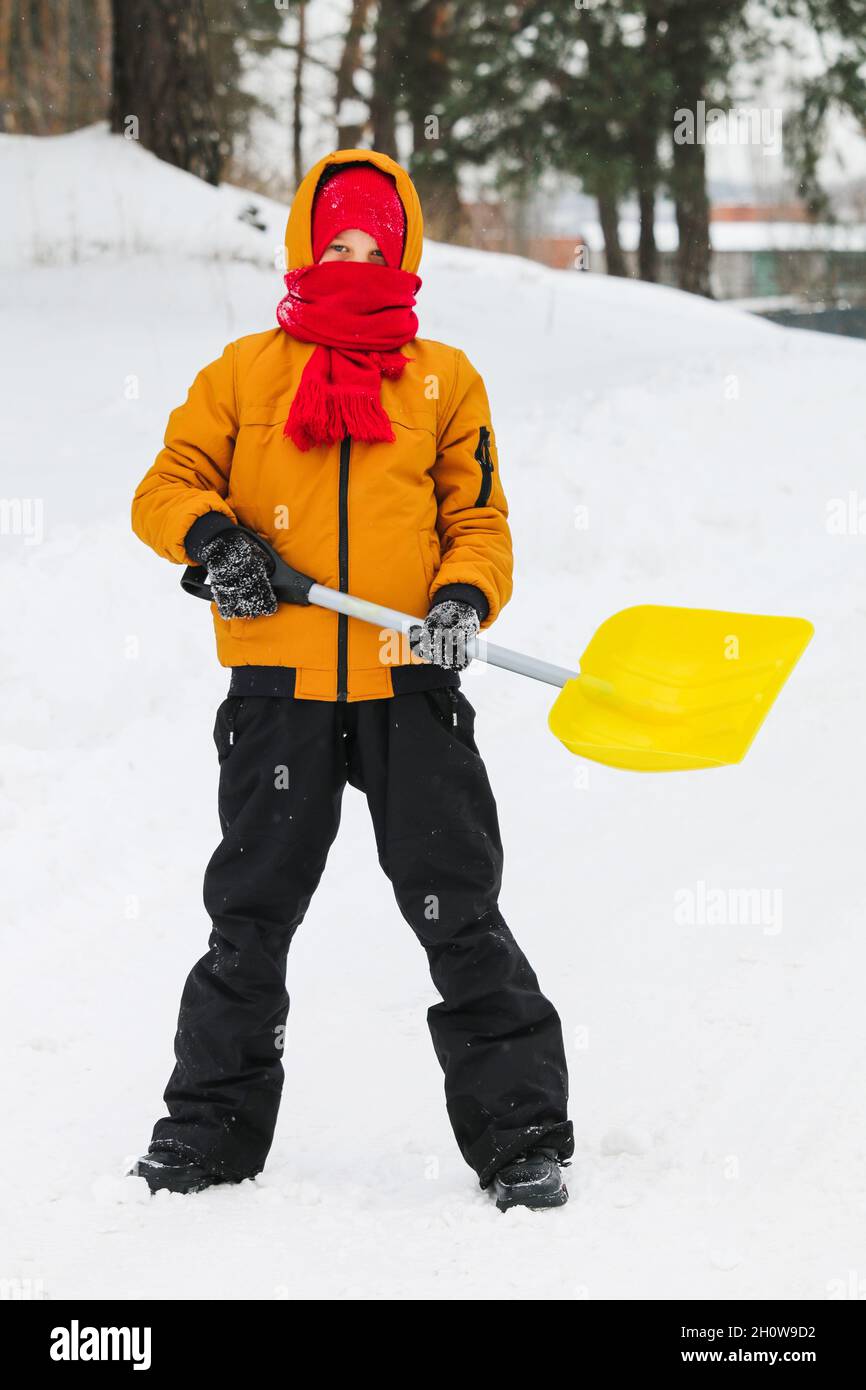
{"points": [[284, 764]]}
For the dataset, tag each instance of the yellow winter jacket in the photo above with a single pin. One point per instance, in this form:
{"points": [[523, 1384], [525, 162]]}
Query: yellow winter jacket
{"points": [[407, 518]]}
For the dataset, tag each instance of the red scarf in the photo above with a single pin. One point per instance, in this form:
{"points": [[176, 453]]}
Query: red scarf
{"points": [[360, 315]]}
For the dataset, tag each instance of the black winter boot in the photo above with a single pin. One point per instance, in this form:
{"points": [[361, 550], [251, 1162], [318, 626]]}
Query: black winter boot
{"points": [[532, 1180], [167, 1170]]}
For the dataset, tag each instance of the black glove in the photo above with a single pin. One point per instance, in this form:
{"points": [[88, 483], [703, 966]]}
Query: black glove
{"points": [[238, 576], [443, 637]]}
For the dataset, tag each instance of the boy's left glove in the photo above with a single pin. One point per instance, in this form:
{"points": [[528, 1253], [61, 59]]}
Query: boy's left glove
{"points": [[239, 576], [443, 636]]}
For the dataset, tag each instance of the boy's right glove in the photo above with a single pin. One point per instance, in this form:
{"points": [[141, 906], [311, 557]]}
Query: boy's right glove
{"points": [[444, 635], [238, 576]]}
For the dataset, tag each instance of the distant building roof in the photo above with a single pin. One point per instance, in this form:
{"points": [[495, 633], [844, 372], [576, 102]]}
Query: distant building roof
{"points": [[759, 212], [733, 227], [743, 236]]}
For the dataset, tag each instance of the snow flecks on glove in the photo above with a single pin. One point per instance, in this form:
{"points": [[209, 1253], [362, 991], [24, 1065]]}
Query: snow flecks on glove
{"points": [[444, 636], [239, 577]]}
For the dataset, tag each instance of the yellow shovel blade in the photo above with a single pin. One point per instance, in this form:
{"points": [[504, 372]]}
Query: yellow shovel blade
{"points": [[663, 689]]}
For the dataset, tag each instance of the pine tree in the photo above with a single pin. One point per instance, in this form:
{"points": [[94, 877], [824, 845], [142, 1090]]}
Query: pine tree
{"points": [[427, 62], [239, 32], [591, 90]]}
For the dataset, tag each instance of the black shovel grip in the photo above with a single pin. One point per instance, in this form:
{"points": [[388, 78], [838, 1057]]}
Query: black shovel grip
{"points": [[289, 585]]}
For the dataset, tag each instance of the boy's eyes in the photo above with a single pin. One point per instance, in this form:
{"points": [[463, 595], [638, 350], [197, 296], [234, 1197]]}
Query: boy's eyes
{"points": [[339, 246]]}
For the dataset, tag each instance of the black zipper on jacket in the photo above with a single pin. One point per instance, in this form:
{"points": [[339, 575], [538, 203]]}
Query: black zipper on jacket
{"points": [[485, 461], [343, 552]]}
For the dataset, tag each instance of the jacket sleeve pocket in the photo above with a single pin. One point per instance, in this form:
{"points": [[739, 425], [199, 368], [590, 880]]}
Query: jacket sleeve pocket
{"points": [[472, 508]]}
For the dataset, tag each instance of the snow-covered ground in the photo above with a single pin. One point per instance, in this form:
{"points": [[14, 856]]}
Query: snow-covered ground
{"points": [[655, 448]]}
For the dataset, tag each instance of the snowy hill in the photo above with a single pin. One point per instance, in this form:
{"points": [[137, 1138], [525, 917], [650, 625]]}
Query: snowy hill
{"points": [[655, 448]]}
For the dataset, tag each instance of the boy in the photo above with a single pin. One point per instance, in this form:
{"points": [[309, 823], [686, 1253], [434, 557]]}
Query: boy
{"points": [[375, 471]]}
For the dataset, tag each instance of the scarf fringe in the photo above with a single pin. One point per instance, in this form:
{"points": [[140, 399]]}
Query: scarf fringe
{"points": [[323, 414]]}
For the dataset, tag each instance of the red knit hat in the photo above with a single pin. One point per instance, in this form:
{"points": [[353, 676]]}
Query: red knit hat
{"points": [[360, 195]]}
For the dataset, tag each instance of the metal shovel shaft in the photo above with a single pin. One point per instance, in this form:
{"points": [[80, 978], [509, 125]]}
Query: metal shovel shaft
{"points": [[479, 648]]}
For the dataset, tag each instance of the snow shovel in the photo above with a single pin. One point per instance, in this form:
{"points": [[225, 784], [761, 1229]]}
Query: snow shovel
{"points": [[660, 689]]}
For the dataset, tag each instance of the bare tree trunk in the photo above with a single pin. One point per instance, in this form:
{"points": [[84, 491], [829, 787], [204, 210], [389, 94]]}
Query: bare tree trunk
{"points": [[518, 218], [689, 59], [54, 22], [90, 69], [34, 102], [689, 183], [647, 251], [298, 96], [605, 187], [608, 216], [7, 102], [350, 132], [386, 76], [103, 28], [161, 77], [646, 145]]}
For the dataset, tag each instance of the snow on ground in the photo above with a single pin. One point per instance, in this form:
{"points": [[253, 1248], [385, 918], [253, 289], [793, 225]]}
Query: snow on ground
{"points": [[716, 1070]]}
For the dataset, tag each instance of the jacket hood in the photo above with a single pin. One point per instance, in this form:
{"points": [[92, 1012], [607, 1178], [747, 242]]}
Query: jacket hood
{"points": [[299, 245]]}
